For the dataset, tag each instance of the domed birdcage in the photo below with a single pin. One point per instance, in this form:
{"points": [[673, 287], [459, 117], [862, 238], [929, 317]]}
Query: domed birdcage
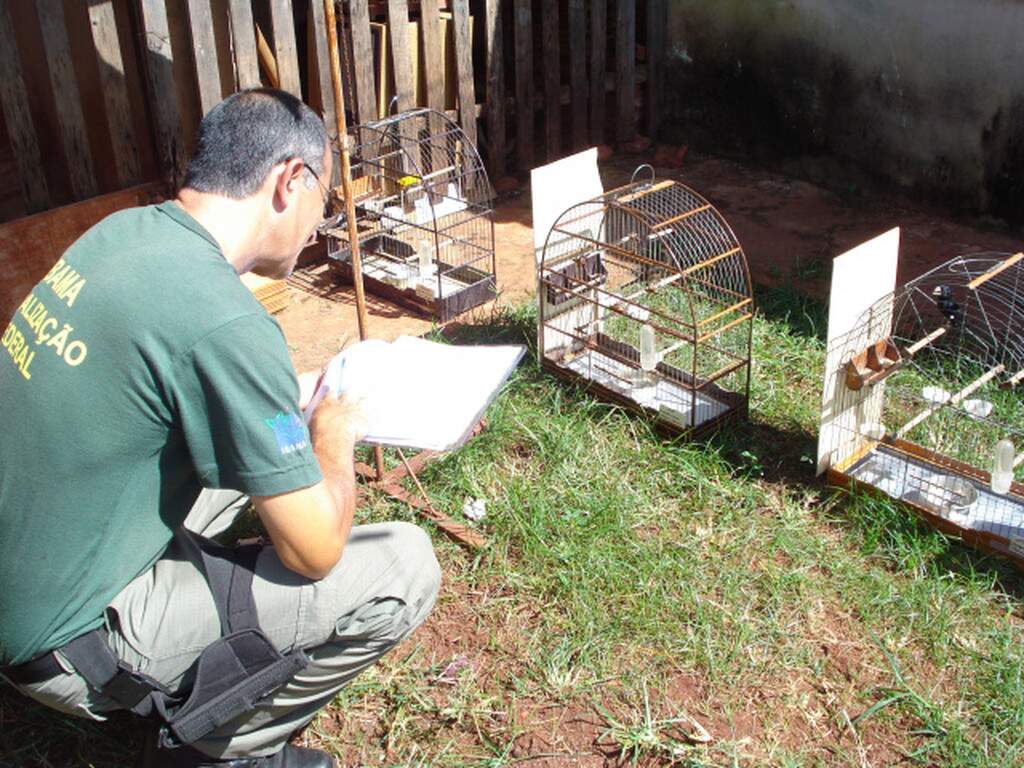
{"points": [[424, 215], [927, 407], [645, 298]]}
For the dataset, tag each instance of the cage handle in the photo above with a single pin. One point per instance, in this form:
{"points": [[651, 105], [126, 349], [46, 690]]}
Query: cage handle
{"points": [[648, 166]]}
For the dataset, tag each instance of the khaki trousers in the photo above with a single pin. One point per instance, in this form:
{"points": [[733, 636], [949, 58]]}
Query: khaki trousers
{"points": [[380, 591]]}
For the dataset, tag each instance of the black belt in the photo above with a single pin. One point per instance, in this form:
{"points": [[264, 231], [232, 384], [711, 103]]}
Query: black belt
{"points": [[38, 670]]}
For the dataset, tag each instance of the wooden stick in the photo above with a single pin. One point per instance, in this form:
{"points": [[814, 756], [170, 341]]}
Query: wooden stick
{"points": [[969, 389], [917, 346], [708, 262], [724, 328], [461, 533], [346, 185], [681, 217], [973, 285], [1018, 459], [1015, 379], [267, 59]]}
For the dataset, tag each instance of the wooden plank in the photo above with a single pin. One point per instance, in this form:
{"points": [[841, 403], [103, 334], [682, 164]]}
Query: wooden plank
{"points": [[135, 76], [464, 69], [222, 43], [14, 101], [284, 46], [657, 22], [552, 83], [625, 69], [362, 55], [29, 246], [523, 30], [204, 47], [401, 56], [77, 152], [598, 58], [243, 40], [495, 88], [322, 76], [115, 91], [162, 92], [184, 73], [578, 72], [433, 54]]}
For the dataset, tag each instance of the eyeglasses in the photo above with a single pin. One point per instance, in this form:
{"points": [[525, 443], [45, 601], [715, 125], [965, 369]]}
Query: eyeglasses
{"points": [[324, 192], [326, 195]]}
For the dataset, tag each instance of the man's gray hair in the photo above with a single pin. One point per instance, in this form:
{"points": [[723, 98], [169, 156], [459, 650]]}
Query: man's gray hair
{"points": [[241, 139]]}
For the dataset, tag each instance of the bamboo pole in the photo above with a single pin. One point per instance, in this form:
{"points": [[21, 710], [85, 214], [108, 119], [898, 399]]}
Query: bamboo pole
{"points": [[346, 187]]}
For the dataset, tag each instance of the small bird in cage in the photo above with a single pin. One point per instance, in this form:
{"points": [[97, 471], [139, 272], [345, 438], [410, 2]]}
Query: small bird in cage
{"points": [[947, 304]]}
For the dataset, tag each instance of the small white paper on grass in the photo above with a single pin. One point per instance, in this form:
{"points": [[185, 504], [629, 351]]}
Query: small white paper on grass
{"points": [[474, 509]]}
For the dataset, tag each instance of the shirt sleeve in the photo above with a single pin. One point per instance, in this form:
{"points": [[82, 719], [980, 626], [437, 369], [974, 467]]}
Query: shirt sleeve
{"points": [[236, 394]]}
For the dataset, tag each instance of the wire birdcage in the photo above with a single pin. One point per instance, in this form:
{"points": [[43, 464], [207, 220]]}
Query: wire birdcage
{"points": [[645, 298], [424, 215], [927, 408]]}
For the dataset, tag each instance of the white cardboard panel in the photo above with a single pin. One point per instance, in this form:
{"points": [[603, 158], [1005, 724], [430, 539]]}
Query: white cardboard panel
{"points": [[860, 277], [557, 186]]}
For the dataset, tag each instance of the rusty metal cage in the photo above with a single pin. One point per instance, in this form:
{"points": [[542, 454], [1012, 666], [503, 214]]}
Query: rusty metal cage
{"points": [[927, 396], [424, 215], [645, 298]]}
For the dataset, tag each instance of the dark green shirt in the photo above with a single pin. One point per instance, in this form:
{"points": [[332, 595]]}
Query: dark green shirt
{"points": [[138, 370]]}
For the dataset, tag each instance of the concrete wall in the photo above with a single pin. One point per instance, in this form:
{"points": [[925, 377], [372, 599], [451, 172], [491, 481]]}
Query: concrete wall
{"points": [[925, 93]]}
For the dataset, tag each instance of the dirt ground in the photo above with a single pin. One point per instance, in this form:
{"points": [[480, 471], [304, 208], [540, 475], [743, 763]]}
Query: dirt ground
{"points": [[789, 229]]}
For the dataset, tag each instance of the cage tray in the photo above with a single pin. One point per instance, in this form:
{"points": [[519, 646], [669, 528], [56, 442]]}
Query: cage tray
{"points": [[997, 518]]}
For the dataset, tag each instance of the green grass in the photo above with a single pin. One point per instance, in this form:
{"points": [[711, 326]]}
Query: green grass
{"points": [[638, 591]]}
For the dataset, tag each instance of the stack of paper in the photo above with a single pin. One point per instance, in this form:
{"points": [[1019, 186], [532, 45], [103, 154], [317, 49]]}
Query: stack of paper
{"points": [[417, 393]]}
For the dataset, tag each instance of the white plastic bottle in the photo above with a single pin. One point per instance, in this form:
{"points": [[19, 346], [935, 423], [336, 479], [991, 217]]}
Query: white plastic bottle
{"points": [[1002, 467], [648, 353]]}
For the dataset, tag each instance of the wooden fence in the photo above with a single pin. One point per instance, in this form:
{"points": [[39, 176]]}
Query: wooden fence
{"points": [[102, 95]]}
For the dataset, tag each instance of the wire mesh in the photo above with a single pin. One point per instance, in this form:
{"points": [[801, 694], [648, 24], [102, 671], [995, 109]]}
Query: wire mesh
{"points": [[424, 214], [932, 372], [645, 294]]}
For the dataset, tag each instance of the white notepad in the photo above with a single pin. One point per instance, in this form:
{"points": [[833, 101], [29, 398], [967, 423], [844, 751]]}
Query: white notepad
{"points": [[417, 393]]}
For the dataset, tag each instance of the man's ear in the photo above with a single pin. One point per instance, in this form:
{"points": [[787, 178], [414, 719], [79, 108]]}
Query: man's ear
{"points": [[287, 180]]}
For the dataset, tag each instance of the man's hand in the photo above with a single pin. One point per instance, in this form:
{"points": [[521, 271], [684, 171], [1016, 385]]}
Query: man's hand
{"points": [[309, 527]]}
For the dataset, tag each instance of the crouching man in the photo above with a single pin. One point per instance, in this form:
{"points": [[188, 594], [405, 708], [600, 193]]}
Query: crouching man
{"points": [[149, 377]]}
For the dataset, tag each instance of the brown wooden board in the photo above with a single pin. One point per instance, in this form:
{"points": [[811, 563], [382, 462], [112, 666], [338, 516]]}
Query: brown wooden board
{"points": [[162, 93], [401, 54], [243, 40], [523, 32], [103, 23], [18, 119], [322, 74], [464, 69], [222, 41], [86, 66], [362, 53], [552, 83], [184, 71], [625, 69], [77, 152], [657, 21], [204, 48], [433, 54], [135, 81], [578, 72], [284, 46], [31, 245], [495, 88]]}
